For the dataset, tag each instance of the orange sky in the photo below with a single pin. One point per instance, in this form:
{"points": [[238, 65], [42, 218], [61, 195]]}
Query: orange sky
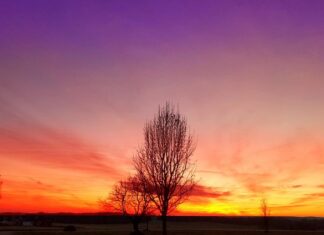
{"points": [[79, 80]]}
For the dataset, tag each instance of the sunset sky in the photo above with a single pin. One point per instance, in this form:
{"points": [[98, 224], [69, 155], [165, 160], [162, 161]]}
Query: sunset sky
{"points": [[79, 79]]}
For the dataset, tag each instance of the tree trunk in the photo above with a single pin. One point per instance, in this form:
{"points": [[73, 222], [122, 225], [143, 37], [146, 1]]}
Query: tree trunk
{"points": [[266, 224], [164, 224], [135, 226], [147, 223]]}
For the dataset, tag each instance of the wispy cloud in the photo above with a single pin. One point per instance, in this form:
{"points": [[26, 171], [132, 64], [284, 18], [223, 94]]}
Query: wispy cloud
{"points": [[27, 139], [209, 192]]}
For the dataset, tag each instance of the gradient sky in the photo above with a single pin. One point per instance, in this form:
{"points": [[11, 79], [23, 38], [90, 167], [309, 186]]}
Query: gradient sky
{"points": [[78, 80]]}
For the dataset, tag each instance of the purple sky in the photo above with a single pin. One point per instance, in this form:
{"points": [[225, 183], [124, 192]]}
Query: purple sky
{"points": [[84, 76]]}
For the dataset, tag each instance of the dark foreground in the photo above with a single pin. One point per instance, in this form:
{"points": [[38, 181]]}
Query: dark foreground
{"points": [[109, 225]]}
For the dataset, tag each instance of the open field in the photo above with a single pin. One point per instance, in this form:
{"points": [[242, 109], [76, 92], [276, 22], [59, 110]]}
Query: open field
{"points": [[175, 228]]}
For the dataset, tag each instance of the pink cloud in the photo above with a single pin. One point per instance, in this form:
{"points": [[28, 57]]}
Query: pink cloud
{"points": [[209, 192]]}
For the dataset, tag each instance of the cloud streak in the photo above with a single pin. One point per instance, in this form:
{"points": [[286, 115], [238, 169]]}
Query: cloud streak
{"points": [[26, 139], [209, 192]]}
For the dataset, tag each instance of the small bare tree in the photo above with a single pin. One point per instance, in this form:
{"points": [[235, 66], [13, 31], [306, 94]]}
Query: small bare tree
{"points": [[164, 162], [129, 198], [0, 187], [265, 213]]}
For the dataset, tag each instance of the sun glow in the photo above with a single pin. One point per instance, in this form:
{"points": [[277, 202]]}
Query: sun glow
{"points": [[211, 208]]}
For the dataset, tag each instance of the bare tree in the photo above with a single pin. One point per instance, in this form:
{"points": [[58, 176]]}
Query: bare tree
{"points": [[265, 213], [164, 162], [1, 182], [129, 198]]}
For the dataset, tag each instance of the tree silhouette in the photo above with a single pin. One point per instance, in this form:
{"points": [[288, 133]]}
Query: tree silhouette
{"points": [[1, 182], [265, 213], [129, 198], [164, 163]]}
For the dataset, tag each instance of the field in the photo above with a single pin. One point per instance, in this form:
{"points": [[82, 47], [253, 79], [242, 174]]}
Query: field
{"points": [[174, 228]]}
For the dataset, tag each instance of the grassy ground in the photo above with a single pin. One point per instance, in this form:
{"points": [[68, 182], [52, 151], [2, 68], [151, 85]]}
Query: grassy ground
{"points": [[169, 233], [174, 228]]}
